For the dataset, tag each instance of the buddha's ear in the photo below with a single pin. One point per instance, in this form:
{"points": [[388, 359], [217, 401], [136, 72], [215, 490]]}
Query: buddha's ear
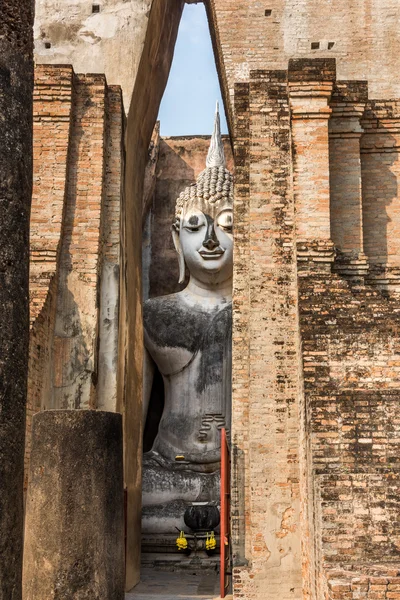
{"points": [[178, 248]]}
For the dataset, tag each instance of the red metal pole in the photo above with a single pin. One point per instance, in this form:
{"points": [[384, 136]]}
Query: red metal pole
{"points": [[126, 520], [224, 511]]}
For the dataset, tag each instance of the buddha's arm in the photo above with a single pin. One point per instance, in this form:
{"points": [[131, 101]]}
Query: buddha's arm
{"points": [[148, 375]]}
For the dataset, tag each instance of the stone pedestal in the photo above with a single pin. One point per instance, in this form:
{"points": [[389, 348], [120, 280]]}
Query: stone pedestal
{"points": [[74, 529]]}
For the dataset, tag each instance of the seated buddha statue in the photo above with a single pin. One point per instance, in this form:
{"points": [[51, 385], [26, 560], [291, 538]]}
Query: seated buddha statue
{"points": [[188, 336]]}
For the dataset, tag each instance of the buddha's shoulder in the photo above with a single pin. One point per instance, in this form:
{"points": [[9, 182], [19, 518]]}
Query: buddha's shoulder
{"points": [[171, 320], [163, 307], [163, 302]]}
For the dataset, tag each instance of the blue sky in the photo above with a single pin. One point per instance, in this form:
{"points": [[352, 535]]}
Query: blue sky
{"points": [[188, 105]]}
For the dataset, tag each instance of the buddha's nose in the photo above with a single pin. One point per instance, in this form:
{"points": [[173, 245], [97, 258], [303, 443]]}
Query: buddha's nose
{"points": [[210, 241]]}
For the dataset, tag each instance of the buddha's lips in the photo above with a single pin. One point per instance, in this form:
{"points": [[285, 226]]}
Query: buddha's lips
{"points": [[211, 254]]}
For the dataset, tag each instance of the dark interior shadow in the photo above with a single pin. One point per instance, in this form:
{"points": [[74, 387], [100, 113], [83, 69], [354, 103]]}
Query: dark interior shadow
{"points": [[155, 411]]}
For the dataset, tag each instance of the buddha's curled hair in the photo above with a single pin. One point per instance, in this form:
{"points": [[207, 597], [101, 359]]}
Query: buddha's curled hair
{"points": [[213, 185]]}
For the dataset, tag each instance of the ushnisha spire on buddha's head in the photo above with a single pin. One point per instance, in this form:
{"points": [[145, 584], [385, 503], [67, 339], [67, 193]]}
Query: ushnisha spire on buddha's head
{"points": [[213, 184], [216, 154]]}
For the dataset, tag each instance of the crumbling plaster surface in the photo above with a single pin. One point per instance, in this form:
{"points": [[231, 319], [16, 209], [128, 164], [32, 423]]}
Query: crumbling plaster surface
{"points": [[109, 41]]}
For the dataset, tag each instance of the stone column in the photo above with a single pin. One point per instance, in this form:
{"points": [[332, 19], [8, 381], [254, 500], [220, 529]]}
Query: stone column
{"points": [[16, 84], [310, 83], [347, 104], [74, 529]]}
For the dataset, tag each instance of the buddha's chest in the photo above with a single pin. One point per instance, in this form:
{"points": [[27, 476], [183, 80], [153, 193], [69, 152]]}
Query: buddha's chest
{"points": [[197, 341]]}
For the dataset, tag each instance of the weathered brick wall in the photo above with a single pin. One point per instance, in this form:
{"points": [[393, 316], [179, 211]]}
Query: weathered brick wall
{"points": [[384, 584], [51, 129], [75, 344], [351, 357], [265, 411], [380, 159], [362, 36], [344, 394], [347, 104], [75, 241], [351, 362], [53, 99], [41, 338], [310, 87]]}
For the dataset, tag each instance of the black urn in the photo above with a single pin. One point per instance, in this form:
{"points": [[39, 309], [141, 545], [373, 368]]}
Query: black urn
{"points": [[202, 517]]}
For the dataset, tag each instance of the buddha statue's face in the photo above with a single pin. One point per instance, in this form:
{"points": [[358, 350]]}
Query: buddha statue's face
{"points": [[206, 241]]}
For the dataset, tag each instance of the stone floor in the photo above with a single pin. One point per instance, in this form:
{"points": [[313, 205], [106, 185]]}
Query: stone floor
{"points": [[156, 584]]}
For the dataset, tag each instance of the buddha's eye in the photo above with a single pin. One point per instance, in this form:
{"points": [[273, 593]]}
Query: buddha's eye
{"points": [[225, 220], [193, 223]]}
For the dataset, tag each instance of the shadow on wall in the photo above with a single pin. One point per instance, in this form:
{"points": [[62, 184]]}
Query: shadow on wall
{"points": [[72, 375], [379, 205]]}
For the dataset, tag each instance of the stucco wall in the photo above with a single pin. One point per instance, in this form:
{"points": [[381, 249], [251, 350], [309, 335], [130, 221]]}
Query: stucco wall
{"points": [[109, 41]]}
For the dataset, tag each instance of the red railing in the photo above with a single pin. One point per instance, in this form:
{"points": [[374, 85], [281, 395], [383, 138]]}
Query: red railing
{"points": [[225, 510]]}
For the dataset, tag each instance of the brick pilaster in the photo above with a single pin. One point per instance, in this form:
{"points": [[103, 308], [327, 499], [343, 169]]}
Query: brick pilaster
{"points": [[310, 84], [380, 162], [347, 104], [75, 342]]}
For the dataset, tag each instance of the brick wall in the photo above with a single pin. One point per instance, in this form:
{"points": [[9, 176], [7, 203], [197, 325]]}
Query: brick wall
{"points": [[362, 36], [75, 344], [53, 99], [384, 584], [329, 425], [75, 225], [310, 88], [52, 120], [351, 362], [265, 411], [351, 368], [380, 160], [315, 354], [347, 104]]}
